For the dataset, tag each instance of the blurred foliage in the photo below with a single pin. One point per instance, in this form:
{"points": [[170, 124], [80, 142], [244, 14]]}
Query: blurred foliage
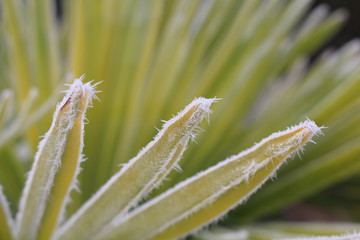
{"points": [[156, 56]]}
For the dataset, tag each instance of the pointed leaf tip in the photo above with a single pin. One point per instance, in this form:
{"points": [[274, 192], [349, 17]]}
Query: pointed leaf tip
{"points": [[140, 175], [55, 166], [179, 211]]}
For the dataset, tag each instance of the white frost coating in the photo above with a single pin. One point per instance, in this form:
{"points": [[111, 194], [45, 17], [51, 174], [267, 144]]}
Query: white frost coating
{"points": [[202, 112], [190, 133], [48, 159], [347, 236], [91, 91], [221, 178], [152, 164], [249, 171]]}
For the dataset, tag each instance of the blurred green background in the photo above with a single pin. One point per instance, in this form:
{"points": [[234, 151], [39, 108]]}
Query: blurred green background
{"points": [[269, 61]]}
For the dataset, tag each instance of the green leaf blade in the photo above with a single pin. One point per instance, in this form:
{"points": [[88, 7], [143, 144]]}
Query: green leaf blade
{"points": [[140, 176], [59, 154], [211, 193]]}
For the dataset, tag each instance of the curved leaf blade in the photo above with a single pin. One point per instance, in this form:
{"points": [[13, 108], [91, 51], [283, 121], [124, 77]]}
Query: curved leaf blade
{"points": [[141, 175], [209, 194], [58, 152]]}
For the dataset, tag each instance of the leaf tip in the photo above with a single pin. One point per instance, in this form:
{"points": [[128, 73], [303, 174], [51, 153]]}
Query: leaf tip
{"points": [[79, 92], [311, 128]]}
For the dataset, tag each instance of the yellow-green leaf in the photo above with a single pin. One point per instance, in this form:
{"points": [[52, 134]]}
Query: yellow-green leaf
{"points": [[211, 193]]}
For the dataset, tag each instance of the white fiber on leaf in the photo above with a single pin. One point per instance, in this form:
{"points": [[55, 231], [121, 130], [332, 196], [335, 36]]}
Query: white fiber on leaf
{"points": [[140, 175], [208, 195], [48, 159]]}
